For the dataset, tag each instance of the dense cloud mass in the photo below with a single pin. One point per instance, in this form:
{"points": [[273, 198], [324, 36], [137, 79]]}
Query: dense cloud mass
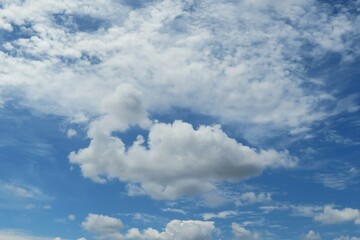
{"points": [[176, 159], [220, 58]]}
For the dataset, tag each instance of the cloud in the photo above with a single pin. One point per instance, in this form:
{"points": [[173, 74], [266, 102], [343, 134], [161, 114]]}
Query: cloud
{"points": [[252, 198], [174, 210], [176, 229], [22, 191], [18, 235], [311, 235], [239, 66], [242, 233], [71, 217], [101, 224], [223, 214], [160, 166], [15, 195], [108, 227], [71, 133], [338, 176], [295, 210], [347, 238], [335, 216]]}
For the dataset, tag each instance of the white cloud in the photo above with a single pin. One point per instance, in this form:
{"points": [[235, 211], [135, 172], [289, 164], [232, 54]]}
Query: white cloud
{"points": [[347, 238], [174, 210], [22, 196], [108, 227], [22, 191], [252, 198], [242, 233], [18, 235], [243, 66], [71, 217], [223, 214], [71, 133], [176, 229], [311, 235], [100, 224], [335, 216], [162, 167]]}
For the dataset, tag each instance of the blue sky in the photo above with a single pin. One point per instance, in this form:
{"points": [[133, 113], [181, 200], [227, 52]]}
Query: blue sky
{"points": [[183, 119]]}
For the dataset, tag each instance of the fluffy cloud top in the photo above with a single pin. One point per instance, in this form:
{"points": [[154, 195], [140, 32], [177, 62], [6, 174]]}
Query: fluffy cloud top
{"points": [[176, 159], [242, 233], [101, 224], [311, 235], [334, 216], [108, 228]]}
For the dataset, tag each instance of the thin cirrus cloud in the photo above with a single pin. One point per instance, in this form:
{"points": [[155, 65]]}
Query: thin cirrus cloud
{"points": [[18, 235]]}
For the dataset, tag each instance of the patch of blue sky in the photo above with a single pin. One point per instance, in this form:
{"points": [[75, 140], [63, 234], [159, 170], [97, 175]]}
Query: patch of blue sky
{"points": [[136, 4], [18, 31], [82, 23]]}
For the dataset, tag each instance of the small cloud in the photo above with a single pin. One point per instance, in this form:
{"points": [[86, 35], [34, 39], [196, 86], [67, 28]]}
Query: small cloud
{"points": [[223, 214], [71, 133], [30, 206], [331, 215], [22, 191], [242, 233], [311, 235], [47, 207], [250, 198], [174, 210], [101, 224], [71, 217]]}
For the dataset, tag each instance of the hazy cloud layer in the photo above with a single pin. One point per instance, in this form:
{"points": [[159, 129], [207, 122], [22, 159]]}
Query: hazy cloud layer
{"points": [[238, 61]]}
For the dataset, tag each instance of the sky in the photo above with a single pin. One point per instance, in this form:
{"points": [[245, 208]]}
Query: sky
{"points": [[179, 120]]}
